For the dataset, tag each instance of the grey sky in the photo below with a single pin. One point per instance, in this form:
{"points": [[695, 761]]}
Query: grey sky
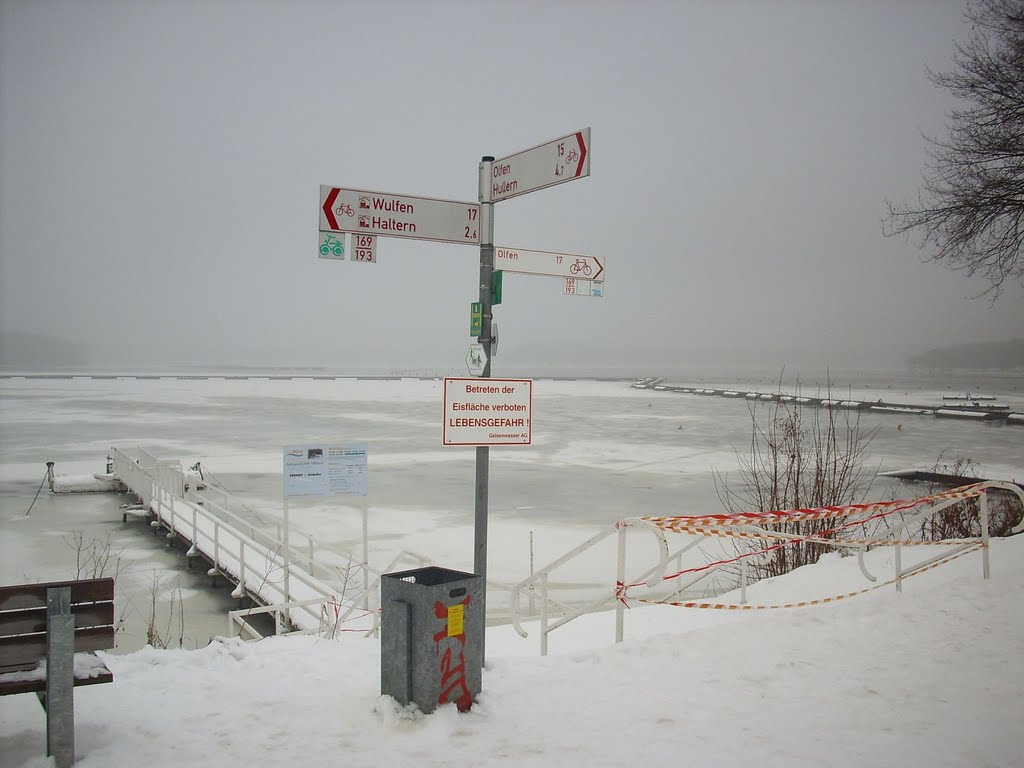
{"points": [[160, 164]]}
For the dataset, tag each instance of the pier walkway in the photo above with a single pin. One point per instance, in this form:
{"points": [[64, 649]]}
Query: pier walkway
{"points": [[302, 592], [975, 409]]}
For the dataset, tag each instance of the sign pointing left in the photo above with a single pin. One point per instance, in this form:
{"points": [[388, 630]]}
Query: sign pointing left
{"points": [[381, 213]]}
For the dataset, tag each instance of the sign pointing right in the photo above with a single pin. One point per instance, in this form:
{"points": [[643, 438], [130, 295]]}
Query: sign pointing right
{"points": [[563, 159], [548, 263]]}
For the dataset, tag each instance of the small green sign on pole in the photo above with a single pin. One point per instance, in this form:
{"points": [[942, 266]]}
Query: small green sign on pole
{"points": [[476, 318], [496, 287]]}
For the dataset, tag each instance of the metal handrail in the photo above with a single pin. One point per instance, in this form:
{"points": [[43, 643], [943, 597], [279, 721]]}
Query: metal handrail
{"points": [[526, 586], [654, 575]]}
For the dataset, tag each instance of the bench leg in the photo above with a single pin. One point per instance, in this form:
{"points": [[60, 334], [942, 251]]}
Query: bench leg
{"points": [[60, 677]]}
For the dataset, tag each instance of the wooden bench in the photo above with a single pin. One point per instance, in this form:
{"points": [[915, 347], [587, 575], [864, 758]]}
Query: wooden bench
{"points": [[52, 622]]}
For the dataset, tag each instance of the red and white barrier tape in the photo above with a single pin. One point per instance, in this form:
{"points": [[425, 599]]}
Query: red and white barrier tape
{"points": [[620, 592], [683, 524]]}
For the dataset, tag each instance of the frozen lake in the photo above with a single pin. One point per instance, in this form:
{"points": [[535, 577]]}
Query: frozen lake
{"points": [[601, 451]]}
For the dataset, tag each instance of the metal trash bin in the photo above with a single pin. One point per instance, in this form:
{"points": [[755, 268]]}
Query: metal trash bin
{"points": [[431, 637]]}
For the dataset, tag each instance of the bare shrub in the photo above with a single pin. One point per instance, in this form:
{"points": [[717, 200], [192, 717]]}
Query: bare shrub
{"points": [[163, 638], [94, 559], [962, 520], [796, 461]]}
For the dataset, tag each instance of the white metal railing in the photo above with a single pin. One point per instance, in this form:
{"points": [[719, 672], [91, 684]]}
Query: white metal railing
{"points": [[334, 612], [258, 566], [539, 581], [654, 577], [254, 558]]}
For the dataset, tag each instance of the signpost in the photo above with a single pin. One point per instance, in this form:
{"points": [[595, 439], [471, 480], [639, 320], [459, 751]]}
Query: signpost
{"points": [[548, 263], [555, 162], [381, 213], [480, 411]]}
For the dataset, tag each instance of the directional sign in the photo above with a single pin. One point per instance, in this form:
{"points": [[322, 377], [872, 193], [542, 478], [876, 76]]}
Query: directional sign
{"points": [[380, 213], [564, 159], [548, 263], [574, 287]]}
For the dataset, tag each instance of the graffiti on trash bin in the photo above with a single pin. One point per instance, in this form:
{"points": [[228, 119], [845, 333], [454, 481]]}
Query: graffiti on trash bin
{"points": [[453, 678]]}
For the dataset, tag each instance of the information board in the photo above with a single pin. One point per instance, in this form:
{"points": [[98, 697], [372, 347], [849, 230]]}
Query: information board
{"points": [[325, 469]]}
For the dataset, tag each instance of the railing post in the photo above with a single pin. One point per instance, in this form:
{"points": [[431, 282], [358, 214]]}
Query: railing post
{"points": [[983, 515], [544, 615], [194, 549], [743, 581], [620, 587], [240, 589], [899, 568]]}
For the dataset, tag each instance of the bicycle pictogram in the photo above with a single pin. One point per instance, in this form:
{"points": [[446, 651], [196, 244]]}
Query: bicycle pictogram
{"points": [[581, 265], [573, 156], [332, 245], [344, 209]]}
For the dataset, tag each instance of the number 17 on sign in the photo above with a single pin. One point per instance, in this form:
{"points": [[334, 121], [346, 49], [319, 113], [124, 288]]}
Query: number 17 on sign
{"points": [[364, 248]]}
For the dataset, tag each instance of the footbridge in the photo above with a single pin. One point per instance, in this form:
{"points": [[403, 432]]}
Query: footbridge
{"points": [[303, 592]]}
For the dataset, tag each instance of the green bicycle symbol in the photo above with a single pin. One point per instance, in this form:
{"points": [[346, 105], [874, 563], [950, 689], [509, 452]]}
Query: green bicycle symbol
{"points": [[332, 245]]}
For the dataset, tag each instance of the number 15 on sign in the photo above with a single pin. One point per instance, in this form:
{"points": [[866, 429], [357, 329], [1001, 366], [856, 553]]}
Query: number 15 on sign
{"points": [[364, 248]]}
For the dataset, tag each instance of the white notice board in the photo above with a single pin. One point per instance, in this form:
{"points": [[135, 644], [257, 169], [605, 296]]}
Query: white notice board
{"points": [[325, 469], [487, 411]]}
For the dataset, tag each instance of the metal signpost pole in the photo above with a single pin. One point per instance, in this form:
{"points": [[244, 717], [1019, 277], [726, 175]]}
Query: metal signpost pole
{"points": [[482, 451], [366, 558], [287, 558]]}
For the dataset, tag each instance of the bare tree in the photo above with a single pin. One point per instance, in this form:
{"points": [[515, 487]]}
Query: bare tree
{"points": [[970, 209]]}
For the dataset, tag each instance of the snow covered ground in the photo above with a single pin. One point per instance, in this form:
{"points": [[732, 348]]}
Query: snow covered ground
{"points": [[930, 677]]}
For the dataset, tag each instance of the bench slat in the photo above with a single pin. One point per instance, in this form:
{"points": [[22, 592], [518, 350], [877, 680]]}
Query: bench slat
{"points": [[34, 619], [24, 651], [34, 595], [8, 688]]}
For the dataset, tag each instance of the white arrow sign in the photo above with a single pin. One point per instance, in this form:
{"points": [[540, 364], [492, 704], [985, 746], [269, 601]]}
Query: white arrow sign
{"points": [[380, 213], [548, 263], [564, 159]]}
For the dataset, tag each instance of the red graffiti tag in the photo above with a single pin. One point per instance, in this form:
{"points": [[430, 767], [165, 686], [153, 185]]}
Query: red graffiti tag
{"points": [[453, 677]]}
